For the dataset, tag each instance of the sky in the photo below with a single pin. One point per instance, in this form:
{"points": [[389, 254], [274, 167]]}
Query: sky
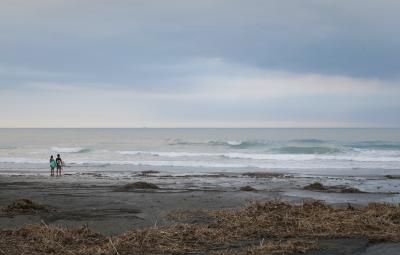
{"points": [[208, 63]]}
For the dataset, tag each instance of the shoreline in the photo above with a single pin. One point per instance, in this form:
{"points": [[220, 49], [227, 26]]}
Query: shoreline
{"points": [[98, 203], [94, 199]]}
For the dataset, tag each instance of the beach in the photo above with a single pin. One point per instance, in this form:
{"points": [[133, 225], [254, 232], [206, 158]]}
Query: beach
{"points": [[118, 181], [96, 201], [104, 206], [199, 127]]}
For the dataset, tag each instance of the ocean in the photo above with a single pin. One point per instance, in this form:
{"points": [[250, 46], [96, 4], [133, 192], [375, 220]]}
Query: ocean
{"points": [[324, 152]]}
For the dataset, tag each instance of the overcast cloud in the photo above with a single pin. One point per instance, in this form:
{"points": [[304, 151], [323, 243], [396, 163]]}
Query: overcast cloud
{"points": [[210, 63]]}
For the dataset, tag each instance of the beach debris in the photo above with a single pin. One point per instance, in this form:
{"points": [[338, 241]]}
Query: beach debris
{"points": [[263, 175], [392, 176], [136, 186], [350, 190], [350, 207], [247, 188], [195, 216], [148, 173], [24, 206], [316, 186], [395, 217], [91, 174], [48, 239], [273, 227]]}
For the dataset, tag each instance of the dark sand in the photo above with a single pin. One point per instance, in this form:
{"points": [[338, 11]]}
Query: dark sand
{"points": [[99, 204], [96, 202]]}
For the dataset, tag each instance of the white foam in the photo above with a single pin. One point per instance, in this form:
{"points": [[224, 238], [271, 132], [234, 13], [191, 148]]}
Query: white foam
{"points": [[283, 164], [362, 157], [234, 143], [67, 149], [168, 154], [15, 160]]}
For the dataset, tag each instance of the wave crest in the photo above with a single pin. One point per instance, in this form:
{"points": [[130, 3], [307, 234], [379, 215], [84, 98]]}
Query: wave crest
{"points": [[308, 150], [239, 144], [311, 140], [229, 143], [7, 147], [377, 145], [70, 149]]}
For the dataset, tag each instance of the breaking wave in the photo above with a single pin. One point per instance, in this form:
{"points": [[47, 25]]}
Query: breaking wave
{"points": [[7, 147], [70, 150], [362, 156], [275, 164], [308, 150], [312, 140], [167, 154], [378, 145], [229, 143]]}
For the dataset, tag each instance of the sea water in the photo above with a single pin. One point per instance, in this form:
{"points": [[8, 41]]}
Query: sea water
{"points": [[325, 152]]}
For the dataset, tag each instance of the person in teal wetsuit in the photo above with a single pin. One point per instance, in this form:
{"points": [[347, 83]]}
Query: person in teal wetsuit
{"points": [[53, 165]]}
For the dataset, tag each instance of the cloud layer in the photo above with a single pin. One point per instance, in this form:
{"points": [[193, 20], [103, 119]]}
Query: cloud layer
{"points": [[199, 63]]}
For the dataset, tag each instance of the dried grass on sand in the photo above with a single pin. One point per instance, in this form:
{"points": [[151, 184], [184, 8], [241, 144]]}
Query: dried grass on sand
{"points": [[260, 228], [137, 185], [24, 206]]}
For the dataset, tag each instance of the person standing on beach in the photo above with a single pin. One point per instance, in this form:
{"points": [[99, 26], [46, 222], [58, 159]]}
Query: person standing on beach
{"points": [[59, 164], [52, 165]]}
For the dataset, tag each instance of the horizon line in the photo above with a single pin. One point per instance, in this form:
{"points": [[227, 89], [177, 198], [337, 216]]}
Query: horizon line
{"points": [[326, 127]]}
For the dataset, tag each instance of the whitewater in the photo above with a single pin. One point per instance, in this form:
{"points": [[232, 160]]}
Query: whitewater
{"points": [[357, 152]]}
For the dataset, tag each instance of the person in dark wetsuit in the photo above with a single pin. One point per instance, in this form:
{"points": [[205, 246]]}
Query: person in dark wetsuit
{"points": [[59, 163]]}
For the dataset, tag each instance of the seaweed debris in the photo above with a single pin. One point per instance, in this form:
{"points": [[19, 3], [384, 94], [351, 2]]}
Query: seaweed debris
{"points": [[137, 185], [272, 227], [247, 188], [24, 206], [316, 186]]}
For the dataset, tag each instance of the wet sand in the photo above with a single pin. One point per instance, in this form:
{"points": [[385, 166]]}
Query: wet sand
{"points": [[96, 202], [75, 200]]}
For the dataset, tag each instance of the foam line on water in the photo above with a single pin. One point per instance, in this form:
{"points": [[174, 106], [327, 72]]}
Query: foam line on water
{"points": [[69, 149]]}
